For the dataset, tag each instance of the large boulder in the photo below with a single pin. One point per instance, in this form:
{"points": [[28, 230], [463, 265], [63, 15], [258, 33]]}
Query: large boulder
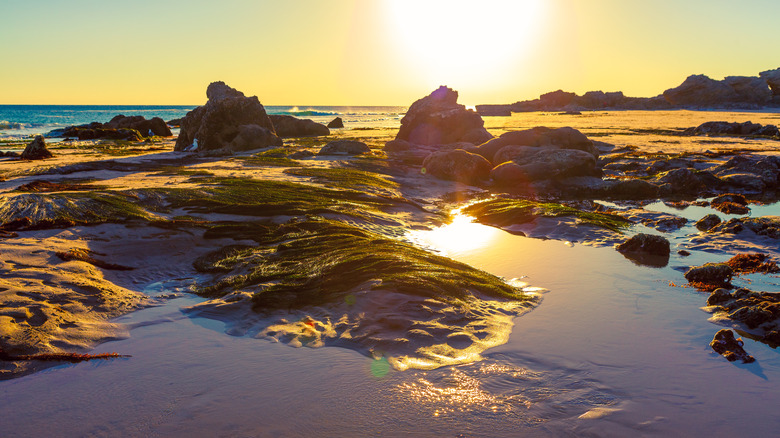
{"points": [[289, 126], [561, 138], [750, 89], [548, 163], [228, 121], [147, 128], [772, 78], [457, 165], [36, 150], [336, 123], [700, 90], [439, 119]]}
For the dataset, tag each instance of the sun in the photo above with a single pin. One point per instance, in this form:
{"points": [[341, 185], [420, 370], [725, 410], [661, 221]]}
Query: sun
{"points": [[461, 42]]}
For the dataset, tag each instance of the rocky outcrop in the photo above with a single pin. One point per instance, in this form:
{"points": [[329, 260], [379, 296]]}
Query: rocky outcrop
{"points": [[336, 123], [710, 276], [289, 126], [547, 163], [229, 121], [729, 347], [439, 119], [560, 138], [702, 91], [772, 78], [36, 150], [731, 203], [745, 129], [457, 165], [147, 128], [767, 226], [344, 147]]}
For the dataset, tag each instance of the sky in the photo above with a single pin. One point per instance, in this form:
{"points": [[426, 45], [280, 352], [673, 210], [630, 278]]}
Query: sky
{"points": [[372, 52]]}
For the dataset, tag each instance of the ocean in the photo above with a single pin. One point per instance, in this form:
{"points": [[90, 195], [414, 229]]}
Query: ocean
{"points": [[22, 121]]}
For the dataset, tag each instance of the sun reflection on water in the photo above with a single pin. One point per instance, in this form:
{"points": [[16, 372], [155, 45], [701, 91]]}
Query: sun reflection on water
{"points": [[460, 236]]}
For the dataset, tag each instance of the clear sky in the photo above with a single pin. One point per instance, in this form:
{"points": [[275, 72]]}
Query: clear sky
{"points": [[372, 52]]}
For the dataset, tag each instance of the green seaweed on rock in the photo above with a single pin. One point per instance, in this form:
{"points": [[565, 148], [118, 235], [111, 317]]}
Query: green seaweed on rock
{"points": [[344, 178], [503, 212], [319, 261]]}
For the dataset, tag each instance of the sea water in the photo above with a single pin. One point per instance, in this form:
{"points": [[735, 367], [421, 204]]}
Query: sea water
{"points": [[23, 121]]}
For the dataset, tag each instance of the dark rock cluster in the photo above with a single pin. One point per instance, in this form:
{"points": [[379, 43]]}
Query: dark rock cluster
{"points": [[132, 128]]}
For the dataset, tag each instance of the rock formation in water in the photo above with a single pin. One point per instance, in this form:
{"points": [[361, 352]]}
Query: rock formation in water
{"points": [[289, 126], [229, 121], [729, 347], [147, 128], [336, 123], [36, 150], [132, 128]]}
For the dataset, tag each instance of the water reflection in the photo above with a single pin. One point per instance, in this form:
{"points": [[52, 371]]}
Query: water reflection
{"points": [[461, 236]]}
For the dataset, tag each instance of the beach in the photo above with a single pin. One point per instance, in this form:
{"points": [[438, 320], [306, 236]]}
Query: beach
{"points": [[593, 342]]}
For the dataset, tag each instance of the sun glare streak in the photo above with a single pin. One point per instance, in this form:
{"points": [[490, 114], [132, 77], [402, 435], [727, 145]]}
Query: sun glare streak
{"points": [[460, 236], [462, 42]]}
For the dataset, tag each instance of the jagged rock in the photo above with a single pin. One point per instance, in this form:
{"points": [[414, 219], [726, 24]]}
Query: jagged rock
{"points": [[767, 168], [731, 203], [562, 138], [439, 119], [457, 165], [225, 123], [147, 128], [734, 128], [348, 147], [289, 126], [36, 150], [546, 164], [729, 347], [687, 181], [336, 123], [768, 226], [772, 78], [707, 222], [747, 182], [710, 274]]}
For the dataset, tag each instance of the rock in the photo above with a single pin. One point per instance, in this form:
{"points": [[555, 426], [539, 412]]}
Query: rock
{"points": [[147, 128], [649, 244], [772, 78], [687, 181], [494, 110], [299, 155], [750, 89], [348, 147], [36, 150], [174, 123], [710, 274], [719, 296], [748, 182], [336, 123], [701, 91], [439, 119], [519, 154], [767, 168], [217, 91], [745, 129], [731, 203], [544, 165], [223, 123], [289, 126], [457, 165], [707, 222], [727, 346], [768, 226], [562, 138], [555, 100]]}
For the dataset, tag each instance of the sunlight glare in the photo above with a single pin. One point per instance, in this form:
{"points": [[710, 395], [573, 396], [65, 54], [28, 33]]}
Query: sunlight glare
{"points": [[462, 42], [460, 236]]}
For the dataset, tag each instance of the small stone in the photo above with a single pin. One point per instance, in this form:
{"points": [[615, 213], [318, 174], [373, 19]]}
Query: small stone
{"points": [[729, 347]]}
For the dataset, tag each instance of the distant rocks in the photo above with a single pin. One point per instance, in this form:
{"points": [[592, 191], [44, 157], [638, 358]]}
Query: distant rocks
{"points": [[344, 147], [439, 119], [36, 150], [289, 126], [745, 129], [228, 122], [697, 91], [147, 128], [336, 123], [132, 128]]}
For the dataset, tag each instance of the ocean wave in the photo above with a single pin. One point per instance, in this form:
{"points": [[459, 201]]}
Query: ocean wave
{"points": [[4, 124], [304, 113]]}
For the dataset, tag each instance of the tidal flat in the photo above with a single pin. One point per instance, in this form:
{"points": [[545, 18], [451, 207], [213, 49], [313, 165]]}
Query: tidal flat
{"points": [[460, 308]]}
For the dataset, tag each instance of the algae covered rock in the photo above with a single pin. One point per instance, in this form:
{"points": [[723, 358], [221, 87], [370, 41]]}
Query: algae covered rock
{"points": [[729, 347], [646, 249], [710, 275], [36, 150], [707, 222], [345, 147]]}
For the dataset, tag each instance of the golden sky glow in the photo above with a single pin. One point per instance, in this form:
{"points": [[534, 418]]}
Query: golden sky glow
{"points": [[371, 52]]}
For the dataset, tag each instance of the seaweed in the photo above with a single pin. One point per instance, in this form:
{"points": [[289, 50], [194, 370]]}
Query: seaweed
{"points": [[318, 261], [273, 157], [504, 211], [59, 357], [344, 178]]}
